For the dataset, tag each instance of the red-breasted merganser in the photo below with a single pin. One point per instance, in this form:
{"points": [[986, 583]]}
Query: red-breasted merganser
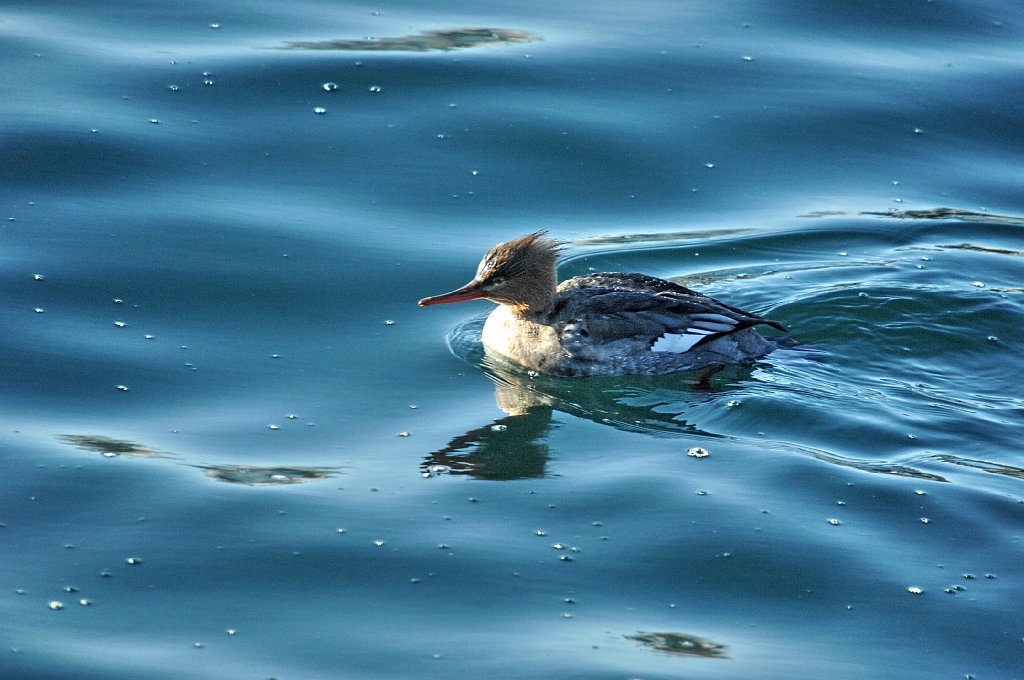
{"points": [[601, 324]]}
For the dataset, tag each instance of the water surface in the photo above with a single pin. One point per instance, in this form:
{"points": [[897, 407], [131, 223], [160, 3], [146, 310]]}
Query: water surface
{"points": [[228, 429]]}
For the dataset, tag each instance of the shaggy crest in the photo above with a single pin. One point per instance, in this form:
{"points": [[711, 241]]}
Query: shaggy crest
{"points": [[523, 255]]}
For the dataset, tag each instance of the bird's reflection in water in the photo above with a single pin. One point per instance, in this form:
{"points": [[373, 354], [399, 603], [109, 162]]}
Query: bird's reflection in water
{"points": [[515, 447]]}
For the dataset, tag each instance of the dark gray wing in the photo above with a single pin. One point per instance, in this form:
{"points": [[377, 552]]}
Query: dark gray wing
{"points": [[671, 317]]}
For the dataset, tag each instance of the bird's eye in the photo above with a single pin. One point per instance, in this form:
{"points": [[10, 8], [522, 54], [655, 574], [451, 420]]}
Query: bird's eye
{"points": [[497, 280]]}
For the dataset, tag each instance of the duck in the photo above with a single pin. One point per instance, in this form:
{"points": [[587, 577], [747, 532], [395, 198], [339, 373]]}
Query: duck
{"points": [[601, 324]]}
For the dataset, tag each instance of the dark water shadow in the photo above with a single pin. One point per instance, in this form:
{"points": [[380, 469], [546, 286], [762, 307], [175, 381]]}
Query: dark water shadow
{"points": [[425, 41], [927, 214], [985, 466], [680, 644], [109, 447], [252, 475], [248, 475]]}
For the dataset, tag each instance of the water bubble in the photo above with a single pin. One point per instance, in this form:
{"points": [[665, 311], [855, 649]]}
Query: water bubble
{"points": [[540, 532], [732, 403], [133, 561], [231, 631], [273, 427], [918, 131], [565, 558], [329, 87], [214, 25], [698, 452], [375, 89], [148, 337], [120, 324], [208, 82], [834, 522], [319, 110], [38, 277], [977, 284], [122, 388], [499, 428], [916, 590], [709, 165], [173, 88], [970, 577], [55, 605], [403, 434], [154, 121], [748, 59], [85, 602], [558, 546], [379, 543], [701, 492], [39, 310], [925, 520]]}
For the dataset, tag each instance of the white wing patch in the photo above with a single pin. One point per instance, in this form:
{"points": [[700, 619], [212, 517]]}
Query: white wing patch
{"points": [[701, 326], [679, 342]]}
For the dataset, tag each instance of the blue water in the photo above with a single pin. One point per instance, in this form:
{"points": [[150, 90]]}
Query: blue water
{"points": [[227, 428]]}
